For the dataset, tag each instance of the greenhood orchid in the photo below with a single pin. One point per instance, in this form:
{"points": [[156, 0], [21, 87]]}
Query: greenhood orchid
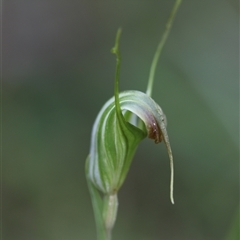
{"points": [[124, 120]]}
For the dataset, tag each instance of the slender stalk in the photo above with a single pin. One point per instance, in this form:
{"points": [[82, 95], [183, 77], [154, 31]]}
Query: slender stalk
{"points": [[115, 50], [110, 213], [160, 47]]}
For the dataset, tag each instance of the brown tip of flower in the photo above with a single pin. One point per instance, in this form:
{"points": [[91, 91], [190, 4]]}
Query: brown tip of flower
{"points": [[154, 132]]}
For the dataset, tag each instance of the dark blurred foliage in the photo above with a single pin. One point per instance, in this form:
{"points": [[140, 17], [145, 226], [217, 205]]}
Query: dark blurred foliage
{"points": [[57, 73]]}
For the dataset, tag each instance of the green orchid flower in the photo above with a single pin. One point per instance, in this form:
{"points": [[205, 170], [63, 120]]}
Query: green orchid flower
{"points": [[124, 121]]}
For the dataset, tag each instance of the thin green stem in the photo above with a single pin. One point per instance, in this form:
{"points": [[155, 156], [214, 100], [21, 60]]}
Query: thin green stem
{"points": [[115, 50], [110, 213], [160, 46]]}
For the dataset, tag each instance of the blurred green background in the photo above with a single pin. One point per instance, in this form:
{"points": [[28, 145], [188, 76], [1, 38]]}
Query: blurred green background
{"points": [[57, 73]]}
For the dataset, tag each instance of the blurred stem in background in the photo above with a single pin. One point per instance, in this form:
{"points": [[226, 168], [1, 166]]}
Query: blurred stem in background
{"points": [[160, 47], [114, 140], [234, 232]]}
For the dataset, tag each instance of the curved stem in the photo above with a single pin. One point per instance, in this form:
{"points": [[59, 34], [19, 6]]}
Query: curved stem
{"points": [[160, 47]]}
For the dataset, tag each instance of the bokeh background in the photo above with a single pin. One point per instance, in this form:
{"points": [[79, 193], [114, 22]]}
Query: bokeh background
{"points": [[57, 73]]}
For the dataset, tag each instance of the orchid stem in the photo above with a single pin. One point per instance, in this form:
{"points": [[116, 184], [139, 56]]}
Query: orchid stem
{"points": [[160, 47]]}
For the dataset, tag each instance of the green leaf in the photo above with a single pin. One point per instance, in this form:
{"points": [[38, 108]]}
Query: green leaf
{"points": [[97, 204]]}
